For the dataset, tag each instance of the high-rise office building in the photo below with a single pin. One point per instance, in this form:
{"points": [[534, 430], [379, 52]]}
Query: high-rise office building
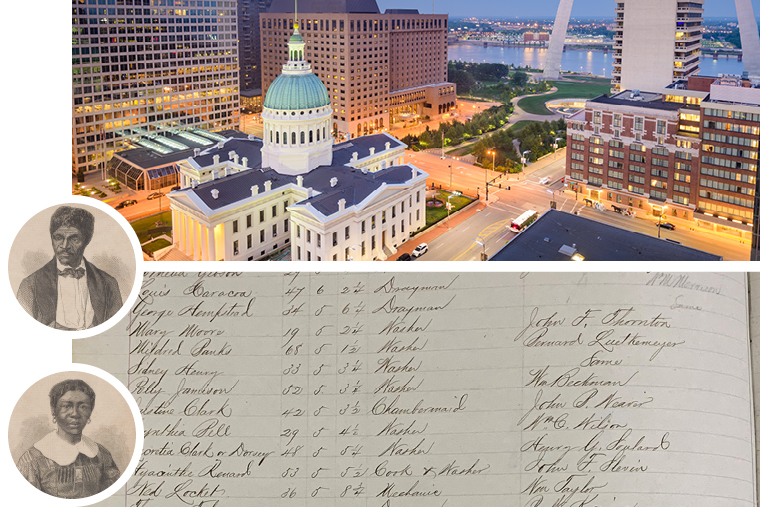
{"points": [[142, 67], [250, 42], [656, 43], [379, 68]]}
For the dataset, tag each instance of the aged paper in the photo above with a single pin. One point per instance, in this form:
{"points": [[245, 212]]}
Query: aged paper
{"points": [[438, 389]]}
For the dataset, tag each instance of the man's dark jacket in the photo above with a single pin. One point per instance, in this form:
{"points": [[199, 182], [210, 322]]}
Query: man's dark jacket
{"points": [[38, 293]]}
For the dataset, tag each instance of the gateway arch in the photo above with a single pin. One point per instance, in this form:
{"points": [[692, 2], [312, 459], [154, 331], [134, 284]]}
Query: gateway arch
{"points": [[747, 28]]}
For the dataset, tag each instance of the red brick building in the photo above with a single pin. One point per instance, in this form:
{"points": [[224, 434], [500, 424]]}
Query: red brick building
{"points": [[690, 151]]}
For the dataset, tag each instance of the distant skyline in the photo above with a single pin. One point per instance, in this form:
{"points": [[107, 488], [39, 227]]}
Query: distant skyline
{"points": [[540, 9]]}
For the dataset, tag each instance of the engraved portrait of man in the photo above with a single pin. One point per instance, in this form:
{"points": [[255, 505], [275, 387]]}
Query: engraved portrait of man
{"points": [[70, 292]]}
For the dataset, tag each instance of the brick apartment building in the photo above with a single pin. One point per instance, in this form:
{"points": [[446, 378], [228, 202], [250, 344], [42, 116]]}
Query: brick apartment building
{"points": [[379, 68], [690, 151]]}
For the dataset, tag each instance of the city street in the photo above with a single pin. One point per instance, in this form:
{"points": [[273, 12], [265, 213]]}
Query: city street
{"points": [[491, 225]]}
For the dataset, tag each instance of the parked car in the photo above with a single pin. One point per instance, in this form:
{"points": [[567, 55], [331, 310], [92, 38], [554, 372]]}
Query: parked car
{"points": [[404, 257], [666, 225], [124, 204], [155, 195], [421, 249]]}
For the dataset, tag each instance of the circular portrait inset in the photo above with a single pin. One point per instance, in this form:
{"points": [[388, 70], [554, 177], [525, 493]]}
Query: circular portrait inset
{"points": [[72, 435], [73, 266]]}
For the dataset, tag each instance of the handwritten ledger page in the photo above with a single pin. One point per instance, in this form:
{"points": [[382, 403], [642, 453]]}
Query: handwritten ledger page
{"points": [[438, 389]]}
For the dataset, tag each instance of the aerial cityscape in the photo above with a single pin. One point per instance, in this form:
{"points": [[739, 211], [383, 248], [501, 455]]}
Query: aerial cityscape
{"points": [[250, 130]]}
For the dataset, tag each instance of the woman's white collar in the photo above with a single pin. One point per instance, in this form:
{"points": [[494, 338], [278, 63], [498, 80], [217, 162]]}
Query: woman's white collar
{"points": [[55, 448]]}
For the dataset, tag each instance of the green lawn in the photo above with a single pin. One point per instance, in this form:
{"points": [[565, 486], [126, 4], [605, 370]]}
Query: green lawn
{"points": [[535, 103], [156, 245], [517, 127], [435, 215], [142, 226]]}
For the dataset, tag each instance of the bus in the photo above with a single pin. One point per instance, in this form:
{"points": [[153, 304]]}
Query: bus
{"points": [[524, 220]]}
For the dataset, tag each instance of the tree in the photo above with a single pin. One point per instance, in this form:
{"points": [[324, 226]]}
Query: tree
{"points": [[519, 79], [462, 79]]}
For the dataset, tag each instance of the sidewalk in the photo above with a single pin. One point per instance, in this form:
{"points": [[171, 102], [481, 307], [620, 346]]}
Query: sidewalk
{"points": [[440, 228]]}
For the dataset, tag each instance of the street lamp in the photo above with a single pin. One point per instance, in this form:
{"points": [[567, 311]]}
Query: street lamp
{"points": [[556, 145], [483, 256], [523, 159], [659, 225], [490, 152]]}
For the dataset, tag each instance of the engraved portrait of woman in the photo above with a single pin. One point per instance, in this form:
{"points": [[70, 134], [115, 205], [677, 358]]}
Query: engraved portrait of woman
{"points": [[66, 463]]}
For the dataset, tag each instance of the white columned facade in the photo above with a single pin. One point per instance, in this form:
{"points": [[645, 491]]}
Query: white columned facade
{"points": [[204, 243], [557, 42], [198, 240], [211, 244], [750, 37], [188, 247]]}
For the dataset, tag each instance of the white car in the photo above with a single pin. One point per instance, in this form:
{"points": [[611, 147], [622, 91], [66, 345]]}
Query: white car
{"points": [[545, 181], [422, 248]]}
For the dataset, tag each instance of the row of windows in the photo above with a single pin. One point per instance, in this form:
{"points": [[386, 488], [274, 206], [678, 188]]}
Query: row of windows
{"points": [[728, 175], [735, 115], [730, 199], [732, 127], [720, 138], [733, 152], [722, 162], [719, 185], [709, 206]]}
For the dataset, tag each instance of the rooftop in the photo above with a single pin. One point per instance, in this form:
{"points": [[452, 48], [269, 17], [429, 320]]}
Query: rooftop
{"points": [[320, 6], [156, 150], [343, 152], [646, 100], [557, 236]]}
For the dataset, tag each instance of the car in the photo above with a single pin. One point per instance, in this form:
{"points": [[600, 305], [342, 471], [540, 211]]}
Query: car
{"points": [[404, 257], [124, 204], [155, 195], [546, 181], [666, 225], [421, 249]]}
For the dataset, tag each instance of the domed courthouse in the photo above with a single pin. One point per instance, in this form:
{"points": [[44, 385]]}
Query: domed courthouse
{"points": [[247, 198]]}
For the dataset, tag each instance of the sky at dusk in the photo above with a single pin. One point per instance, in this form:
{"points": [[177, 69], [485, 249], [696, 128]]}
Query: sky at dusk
{"points": [[538, 8]]}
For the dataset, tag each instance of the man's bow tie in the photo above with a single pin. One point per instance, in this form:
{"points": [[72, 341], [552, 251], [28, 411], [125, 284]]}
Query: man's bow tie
{"points": [[76, 273]]}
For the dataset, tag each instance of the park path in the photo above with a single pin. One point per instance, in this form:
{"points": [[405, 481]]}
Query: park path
{"points": [[521, 115]]}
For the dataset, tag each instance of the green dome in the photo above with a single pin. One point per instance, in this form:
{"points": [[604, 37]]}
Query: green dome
{"points": [[297, 91]]}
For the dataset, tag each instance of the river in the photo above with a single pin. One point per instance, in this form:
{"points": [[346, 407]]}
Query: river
{"points": [[596, 62]]}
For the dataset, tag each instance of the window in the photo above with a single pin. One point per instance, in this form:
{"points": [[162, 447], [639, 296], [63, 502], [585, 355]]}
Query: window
{"points": [[308, 255], [285, 207], [348, 232], [248, 221], [617, 121], [261, 216], [285, 225], [638, 124], [298, 231], [347, 255], [335, 239], [383, 221], [250, 240], [597, 117], [335, 256], [234, 226], [274, 231], [373, 221], [418, 215], [364, 228], [374, 244], [308, 236], [393, 231], [364, 250], [393, 212], [418, 196], [661, 127], [274, 211], [261, 236], [319, 240], [299, 253]]}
